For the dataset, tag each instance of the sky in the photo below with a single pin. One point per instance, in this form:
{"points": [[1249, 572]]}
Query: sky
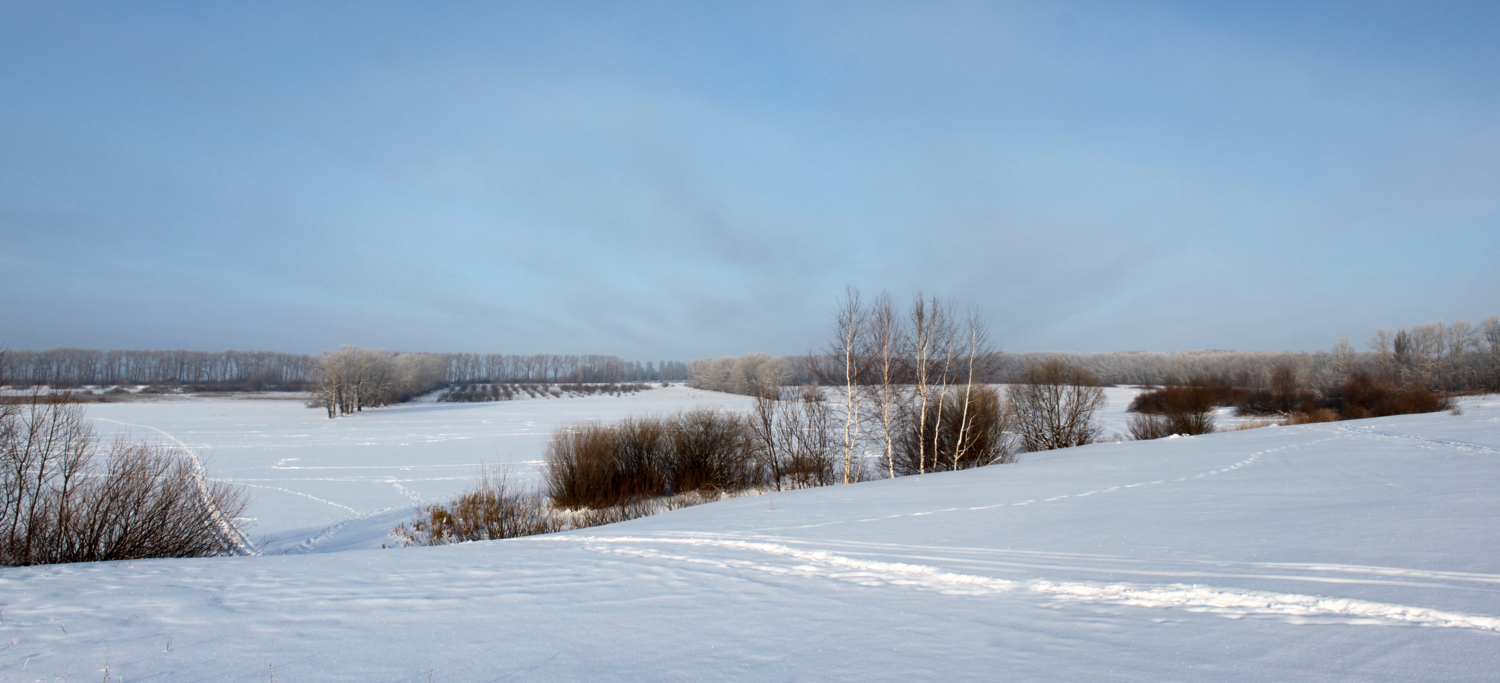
{"points": [[687, 180]]}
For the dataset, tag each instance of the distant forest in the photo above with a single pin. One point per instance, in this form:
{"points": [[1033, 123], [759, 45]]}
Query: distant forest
{"points": [[276, 371], [1447, 357]]}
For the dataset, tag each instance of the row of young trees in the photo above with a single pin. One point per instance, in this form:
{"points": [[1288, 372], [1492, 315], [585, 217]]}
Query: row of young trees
{"points": [[352, 378], [546, 368]]}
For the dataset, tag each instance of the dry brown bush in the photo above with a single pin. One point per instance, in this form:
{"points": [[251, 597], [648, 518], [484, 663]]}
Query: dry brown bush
{"points": [[1313, 416], [1186, 410], [1145, 426], [580, 467], [710, 452], [601, 466], [492, 510], [1362, 395]]}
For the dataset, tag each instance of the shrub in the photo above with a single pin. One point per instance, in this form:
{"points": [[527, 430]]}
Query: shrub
{"points": [[1364, 396], [59, 503], [598, 466], [710, 452], [1054, 406], [1144, 427], [492, 510], [580, 467], [1172, 410]]}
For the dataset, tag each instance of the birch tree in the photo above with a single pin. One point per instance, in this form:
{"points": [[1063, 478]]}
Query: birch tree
{"points": [[844, 366], [888, 342]]}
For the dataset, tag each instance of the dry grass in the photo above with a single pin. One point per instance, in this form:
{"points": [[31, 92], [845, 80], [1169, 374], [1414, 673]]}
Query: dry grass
{"points": [[1313, 416], [495, 510], [492, 510]]}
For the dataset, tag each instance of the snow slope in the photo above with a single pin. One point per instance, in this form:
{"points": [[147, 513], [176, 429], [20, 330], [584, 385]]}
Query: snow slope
{"points": [[1364, 551]]}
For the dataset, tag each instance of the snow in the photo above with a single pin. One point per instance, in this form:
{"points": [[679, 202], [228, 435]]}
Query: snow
{"points": [[1366, 550], [321, 485]]}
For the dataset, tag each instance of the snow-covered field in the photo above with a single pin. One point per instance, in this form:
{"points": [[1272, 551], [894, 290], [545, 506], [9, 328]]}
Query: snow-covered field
{"points": [[1365, 550], [321, 485]]}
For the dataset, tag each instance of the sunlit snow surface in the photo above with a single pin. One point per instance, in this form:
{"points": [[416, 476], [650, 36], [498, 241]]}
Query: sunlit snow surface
{"points": [[1365, 550]]}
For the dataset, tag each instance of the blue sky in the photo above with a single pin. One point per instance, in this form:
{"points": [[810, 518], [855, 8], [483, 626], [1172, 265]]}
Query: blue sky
{"points": [[679, 180]]}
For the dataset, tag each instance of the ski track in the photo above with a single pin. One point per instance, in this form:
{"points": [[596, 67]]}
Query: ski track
{"points": [[1032, 561], [1232, 603], [236, 540], [295, 493], [1394, 436]]}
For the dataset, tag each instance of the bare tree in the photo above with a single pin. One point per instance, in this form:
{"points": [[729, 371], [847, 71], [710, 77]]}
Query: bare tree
{"points": [[888, 342], [978, 357], [930, 335], [1054, 406], [807, 436], [352, 378], [767, 446], [1489, 334], [851, 357], [945, 334]]}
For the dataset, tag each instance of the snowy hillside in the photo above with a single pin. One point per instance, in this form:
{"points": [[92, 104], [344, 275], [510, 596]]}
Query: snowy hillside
{"points": [[1366, 550]]}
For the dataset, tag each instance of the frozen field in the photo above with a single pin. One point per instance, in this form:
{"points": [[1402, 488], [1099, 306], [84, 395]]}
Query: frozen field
{"points": [[321, 485], [1355, 551]]}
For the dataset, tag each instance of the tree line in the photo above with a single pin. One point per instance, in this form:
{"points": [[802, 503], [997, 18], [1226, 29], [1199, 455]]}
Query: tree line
{"points": [[67, 368], [1456, 357], [1451, 357]]}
